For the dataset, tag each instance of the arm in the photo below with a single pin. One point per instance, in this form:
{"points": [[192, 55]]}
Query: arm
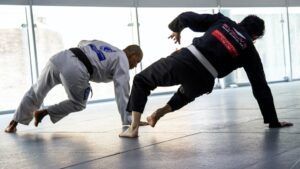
{"points": [[261, 91], [122, 87], [194, 21]]}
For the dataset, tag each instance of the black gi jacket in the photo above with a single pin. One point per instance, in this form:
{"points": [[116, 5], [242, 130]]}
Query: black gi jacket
{"points": [[227, 46]]}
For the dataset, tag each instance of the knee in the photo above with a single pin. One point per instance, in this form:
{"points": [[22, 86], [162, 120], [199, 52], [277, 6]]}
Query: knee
{"points": [[187, 96], [142, 82], [138, 79], [79, 106]]}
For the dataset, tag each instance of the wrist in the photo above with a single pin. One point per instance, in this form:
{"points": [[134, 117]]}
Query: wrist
{"points": [[274, 124]]}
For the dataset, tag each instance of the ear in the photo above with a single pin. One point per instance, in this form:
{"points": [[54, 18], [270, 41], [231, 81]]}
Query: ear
{"points": [[134, 56], [129, 56]]}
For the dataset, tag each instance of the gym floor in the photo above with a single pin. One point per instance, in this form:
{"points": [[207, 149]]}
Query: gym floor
{"points": [[222, 130]]}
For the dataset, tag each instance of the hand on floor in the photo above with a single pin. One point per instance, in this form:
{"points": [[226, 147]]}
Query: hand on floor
{"points": [[281, 124]]}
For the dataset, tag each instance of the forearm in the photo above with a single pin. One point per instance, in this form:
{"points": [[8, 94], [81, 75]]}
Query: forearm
{"points": [[268, 111], [177, 24], [121, 84], [266, 104], [194, 21]]}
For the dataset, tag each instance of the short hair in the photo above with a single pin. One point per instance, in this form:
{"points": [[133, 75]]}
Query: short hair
{"points": [[254, 25], [134, 49]]}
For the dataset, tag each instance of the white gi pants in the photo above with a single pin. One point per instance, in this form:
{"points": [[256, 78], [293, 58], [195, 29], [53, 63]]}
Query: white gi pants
{"points": [[63, 68]]}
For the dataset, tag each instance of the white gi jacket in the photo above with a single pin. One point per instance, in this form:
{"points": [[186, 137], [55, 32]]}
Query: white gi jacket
{"points": [[110, 64]]}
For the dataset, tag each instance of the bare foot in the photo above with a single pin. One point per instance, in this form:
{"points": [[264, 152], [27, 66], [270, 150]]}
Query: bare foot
{"points": [[12, 127], [152, 120], [131, 132], [129, 120], [38, 116]]}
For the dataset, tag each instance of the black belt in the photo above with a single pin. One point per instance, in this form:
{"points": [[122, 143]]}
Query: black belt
{"points": [[83, 58]]}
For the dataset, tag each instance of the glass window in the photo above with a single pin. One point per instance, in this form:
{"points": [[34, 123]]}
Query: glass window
{"points": [[270, 47], [154, 33], [15, 73], [59, 28], [294, 18]]}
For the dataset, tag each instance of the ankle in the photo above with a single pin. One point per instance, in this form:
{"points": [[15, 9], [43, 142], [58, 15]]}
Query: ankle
{"points": [[14, 123], [159, 113], [155, 116], [134, 126], [44, 112]]}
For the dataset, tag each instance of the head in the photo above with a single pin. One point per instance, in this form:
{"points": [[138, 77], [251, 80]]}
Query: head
{"points": [[134, 54], [254, 26]]}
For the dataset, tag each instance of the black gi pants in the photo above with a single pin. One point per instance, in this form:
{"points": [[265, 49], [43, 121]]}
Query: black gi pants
{"points": [[181, 67]]}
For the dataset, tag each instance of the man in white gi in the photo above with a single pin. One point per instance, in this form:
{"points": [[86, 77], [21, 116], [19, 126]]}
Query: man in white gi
{"points": [[95, 61]]}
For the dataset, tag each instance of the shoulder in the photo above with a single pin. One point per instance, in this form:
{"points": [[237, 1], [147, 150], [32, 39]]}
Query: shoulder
{"points": [[120, 61], [123, 60]]}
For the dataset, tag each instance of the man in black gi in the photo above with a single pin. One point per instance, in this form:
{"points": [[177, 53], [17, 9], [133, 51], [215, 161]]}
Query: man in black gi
{"points": [[224, 47]]}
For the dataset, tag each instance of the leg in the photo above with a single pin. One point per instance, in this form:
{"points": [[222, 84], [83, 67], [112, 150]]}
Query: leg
{"points": [[12, 127], [77, 87], [129, 120], [179, 68], [132, 131], [33, 99], [152, 120], [158, 74], [179, 99], [184, 95], [38, 116]]}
